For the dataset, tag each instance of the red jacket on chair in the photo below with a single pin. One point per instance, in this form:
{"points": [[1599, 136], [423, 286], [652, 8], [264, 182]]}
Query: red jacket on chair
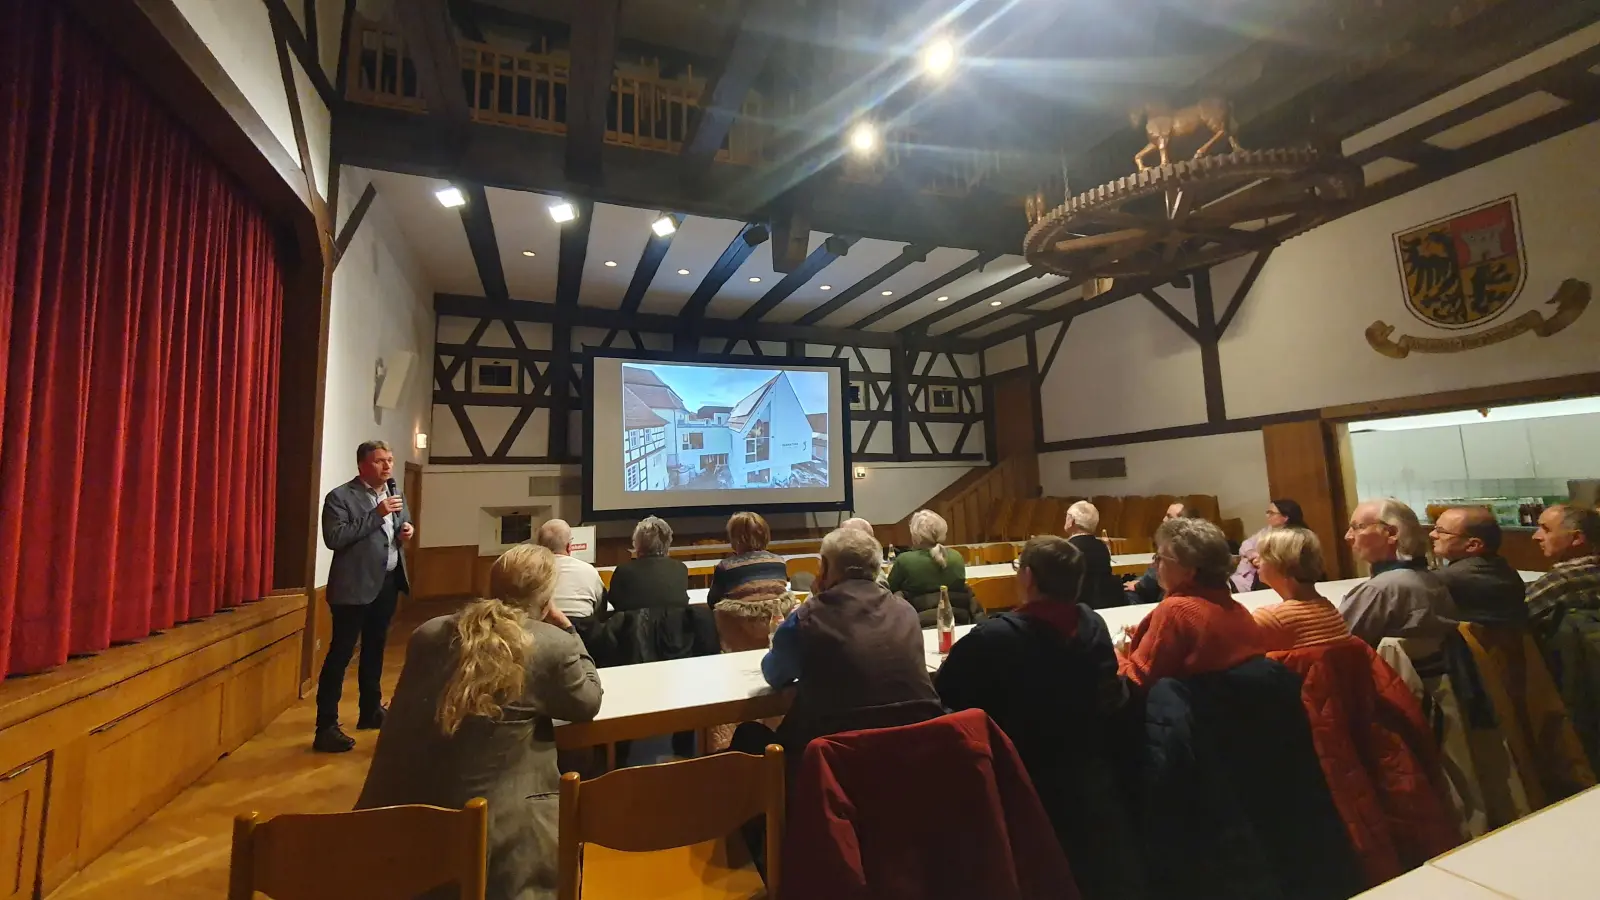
{"points": [[938, 809], [1377, 754]]}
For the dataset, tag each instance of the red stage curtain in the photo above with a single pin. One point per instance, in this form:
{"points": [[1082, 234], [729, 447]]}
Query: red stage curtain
{"points": [[140, 302]]}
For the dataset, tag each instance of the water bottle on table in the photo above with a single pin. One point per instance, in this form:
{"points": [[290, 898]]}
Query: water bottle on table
{"points": [[946, 620]]}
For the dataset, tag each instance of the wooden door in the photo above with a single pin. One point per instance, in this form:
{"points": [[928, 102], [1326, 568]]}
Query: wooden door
{"points": [[1308, 462], [1015, 418]]}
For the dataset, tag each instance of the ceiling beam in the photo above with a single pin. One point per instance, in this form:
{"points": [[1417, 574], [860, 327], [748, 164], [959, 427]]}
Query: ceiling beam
{"points": [[1171, 312], [967, 268], [1121, 290], [481, 240], [304, 49], [1023, 307], [733, 256], [574, 251], [431, 38], [725, 92], [589, 78], [913, 253], [819, 259], [976, 297], [596, 317], [655, 250]]}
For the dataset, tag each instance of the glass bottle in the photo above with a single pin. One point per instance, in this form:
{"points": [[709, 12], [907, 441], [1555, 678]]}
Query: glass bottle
{"points": [[946, 620]]}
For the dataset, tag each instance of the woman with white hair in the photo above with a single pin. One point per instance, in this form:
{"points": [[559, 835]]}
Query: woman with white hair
{"points": [[1100, 587], [471, 718], [651, 578], [919, 573]]}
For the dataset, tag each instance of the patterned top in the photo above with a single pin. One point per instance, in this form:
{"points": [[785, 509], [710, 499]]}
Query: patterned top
{"points": [[1574, 584], [756, 575], [1301, 623]]}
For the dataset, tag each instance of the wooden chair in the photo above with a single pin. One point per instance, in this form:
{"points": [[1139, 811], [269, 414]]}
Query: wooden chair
{"points": [[995, 594], [994, 554], [396, 851], [682, 804], [1110, 514], [999, 519], [1048, 516], [810, 565], [605, 577]]}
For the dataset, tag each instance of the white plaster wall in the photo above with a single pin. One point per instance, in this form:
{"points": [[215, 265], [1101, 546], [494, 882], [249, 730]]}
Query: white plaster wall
{"points": [[1012, 354], [1231, 466], [381, 305]]}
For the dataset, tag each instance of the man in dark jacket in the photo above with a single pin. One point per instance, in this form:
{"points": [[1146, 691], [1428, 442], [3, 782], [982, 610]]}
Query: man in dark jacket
{"points": [[1047, 675], [1101, 589], [1147, 589], [1485, 588]]}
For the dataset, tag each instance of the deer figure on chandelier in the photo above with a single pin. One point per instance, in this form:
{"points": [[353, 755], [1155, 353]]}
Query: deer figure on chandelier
{"points": [[1163, 123]]}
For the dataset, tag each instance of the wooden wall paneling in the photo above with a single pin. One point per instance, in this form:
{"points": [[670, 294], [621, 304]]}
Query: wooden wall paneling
{"points": [[444, 572], [257, 689], [1303, 463], [22, 802], [314, 642]]}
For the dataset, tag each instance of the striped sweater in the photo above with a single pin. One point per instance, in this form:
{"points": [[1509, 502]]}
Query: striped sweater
{"points": [[1301, 623], [756, 575]]}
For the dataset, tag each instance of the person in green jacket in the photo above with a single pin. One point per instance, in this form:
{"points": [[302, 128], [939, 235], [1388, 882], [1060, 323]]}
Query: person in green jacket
{"points": [[918, 574]]}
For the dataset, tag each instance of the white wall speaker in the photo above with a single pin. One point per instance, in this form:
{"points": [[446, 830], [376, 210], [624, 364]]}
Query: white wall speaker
{"points": [[391, 377]]}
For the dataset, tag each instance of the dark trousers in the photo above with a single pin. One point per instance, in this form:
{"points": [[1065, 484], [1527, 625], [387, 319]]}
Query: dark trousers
{"points": [[370, 624]]}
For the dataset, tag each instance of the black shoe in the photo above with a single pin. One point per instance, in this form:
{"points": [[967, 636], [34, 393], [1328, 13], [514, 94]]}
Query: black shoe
{"points": [[332, 739], [372, 719]]}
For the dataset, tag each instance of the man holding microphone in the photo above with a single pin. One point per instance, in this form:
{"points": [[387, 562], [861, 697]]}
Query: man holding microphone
{"points": [[364, 521]]}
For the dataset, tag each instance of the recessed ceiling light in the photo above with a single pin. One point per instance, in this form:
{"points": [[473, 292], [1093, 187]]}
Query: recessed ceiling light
{"points": [[864, 138], [886, 293], [943, 299], [611, 264], [528, 253], [664, 226], [683, 271], [939, 56], [563, 211], [825, 287], [994, 302], [754, 280], [451, 197]]}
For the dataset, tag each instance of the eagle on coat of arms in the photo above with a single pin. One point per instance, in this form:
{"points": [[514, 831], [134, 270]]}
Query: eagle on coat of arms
{"points": [[1463, 270]]}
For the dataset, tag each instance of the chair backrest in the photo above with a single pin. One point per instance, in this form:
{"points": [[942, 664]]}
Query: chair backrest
{"points": [[810, 565], [999, 519], [395, 851], [999, 553], [674, 804], [605, 577], [995, 593]]}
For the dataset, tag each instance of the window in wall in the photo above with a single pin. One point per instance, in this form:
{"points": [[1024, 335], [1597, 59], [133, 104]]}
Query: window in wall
{"points": [[694, 440], [516, 528], [758, 445], [758, 476]]}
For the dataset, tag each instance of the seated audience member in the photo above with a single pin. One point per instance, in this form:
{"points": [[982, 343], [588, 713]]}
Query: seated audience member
{"points": [[1147, 588], [748, 589], [1280, 514], [1402, 599], [1484, 587], [651, 578], [579, 592], [471, 718], [1290, 562], [862, 525], [1197, 627], [1100, 588], [918, 574], [853, 651], [1047, 675], [1569, 535]]}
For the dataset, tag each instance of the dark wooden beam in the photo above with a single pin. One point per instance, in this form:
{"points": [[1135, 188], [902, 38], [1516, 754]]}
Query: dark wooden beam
{"points": [[1022, 307], [655, 250], [595, 317], [589, 79], [303, 50], [1055, 347], [309, 13], [431, 39], [561, 399], [465, 15], [574, 252], [900, 421], [932, 287], [751, 236], [1178, 318], [976, 297], [348, 232], [342, 69], [282, 26], [1206, 333], [1176, 432], [1122, 289], [819, 259], [725, 91], [913, 253], [479, 225], [1243, 290]]}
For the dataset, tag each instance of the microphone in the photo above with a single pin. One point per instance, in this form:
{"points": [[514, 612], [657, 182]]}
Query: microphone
{"points": [[392, 490]]}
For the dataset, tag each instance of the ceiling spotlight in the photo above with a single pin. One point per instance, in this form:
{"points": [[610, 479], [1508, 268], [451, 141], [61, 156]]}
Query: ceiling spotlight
{"points": [[683, 271], [664, 226], [864, 138], [611, 264], [886, 293], [939, 56], [563, 211], [528, 253], [825, 287], [450, 197], [754, 280], [942, 299], [994, 302]]}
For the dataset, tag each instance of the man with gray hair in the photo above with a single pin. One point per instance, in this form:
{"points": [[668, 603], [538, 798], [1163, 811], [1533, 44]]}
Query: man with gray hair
{"points": [[853, 651], [1402, 599], [579, 591], [1569, 535], [1100, 588], [859, 524]]}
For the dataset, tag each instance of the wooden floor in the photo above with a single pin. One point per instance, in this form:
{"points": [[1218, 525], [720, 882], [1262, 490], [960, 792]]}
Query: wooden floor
{"points": [[181, 853]]}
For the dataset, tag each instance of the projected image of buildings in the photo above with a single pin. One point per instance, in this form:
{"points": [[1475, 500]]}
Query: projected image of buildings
{"points": [[711, 428]]}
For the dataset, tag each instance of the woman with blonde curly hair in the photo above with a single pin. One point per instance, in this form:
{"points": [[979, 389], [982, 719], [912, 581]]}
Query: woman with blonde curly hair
{"points": [[471, 717]]}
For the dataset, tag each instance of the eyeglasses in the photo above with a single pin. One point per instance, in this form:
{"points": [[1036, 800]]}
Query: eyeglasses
{"points": [[1440, 531], [1016, 565]]}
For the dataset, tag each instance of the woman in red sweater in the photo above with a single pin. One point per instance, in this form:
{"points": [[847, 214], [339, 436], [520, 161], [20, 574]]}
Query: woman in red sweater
{"points": [[1199, 627]]}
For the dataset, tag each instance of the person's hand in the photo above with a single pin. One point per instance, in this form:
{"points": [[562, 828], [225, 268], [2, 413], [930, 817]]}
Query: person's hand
{"points": [[1253, 558], [1130, 586], [556, 617], [1124, 640], [406, 531], [390, 505]]}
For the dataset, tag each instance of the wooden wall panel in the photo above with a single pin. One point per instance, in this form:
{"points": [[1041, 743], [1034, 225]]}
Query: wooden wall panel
{"points": [[1304, 463], [438, 572], [22, 798], [257, 690]]}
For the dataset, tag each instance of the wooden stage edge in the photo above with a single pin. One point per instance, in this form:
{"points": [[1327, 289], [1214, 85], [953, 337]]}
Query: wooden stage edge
{"points": [[91, 749]]}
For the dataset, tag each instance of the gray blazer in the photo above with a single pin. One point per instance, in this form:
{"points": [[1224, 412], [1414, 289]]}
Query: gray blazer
{"points": [[353, 530], [509, 761]]}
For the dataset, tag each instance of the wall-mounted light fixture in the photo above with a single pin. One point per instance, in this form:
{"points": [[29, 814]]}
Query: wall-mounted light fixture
{"points": [[861, 471], [422, 440]]}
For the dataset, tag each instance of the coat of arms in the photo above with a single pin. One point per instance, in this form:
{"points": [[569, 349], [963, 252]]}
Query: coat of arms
{"points": [[1463, 271]]}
